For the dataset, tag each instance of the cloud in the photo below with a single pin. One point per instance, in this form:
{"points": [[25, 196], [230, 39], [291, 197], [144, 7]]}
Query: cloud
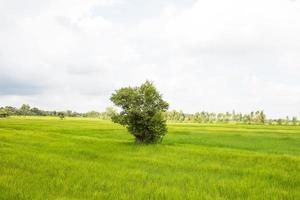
{"points": [[203, 55], [18, 87]]}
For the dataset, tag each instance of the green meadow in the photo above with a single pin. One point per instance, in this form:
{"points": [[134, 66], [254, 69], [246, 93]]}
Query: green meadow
{"points": [[48, 158]]}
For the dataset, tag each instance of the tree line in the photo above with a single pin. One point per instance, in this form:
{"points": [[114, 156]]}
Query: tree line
{"points": [[26, 110], [257, 117]]}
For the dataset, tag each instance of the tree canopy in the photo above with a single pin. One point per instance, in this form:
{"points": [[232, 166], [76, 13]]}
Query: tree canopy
{"points": [[141, 112]]}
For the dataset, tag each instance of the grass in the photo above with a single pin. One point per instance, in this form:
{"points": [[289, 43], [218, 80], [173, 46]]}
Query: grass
{"points": [[49, 158]]}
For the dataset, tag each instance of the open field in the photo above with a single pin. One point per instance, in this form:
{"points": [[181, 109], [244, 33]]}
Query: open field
{"points": [[48, 158]]}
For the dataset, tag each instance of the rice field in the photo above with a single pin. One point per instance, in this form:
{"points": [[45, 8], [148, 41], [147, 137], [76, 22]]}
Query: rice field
{"points": [[75, 158]]}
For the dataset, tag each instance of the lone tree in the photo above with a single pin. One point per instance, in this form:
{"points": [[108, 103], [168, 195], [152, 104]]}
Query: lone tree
{"points": [[141, 112]]}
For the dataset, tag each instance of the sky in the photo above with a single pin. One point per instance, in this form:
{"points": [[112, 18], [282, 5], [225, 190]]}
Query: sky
{"points": [[211, 55]]}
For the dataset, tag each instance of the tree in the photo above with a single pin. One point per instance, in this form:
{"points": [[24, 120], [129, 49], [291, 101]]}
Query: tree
{"points": [[287, 120], [61, 115], [261, 117], [294, 120], [24, 109], [279, 121], [93, 114], [110, 112], [141, 112], [36, 111], [3, 113]]}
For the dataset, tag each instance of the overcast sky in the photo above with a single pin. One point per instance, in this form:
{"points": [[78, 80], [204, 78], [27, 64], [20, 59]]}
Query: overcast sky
{"points": [[212, 55]]}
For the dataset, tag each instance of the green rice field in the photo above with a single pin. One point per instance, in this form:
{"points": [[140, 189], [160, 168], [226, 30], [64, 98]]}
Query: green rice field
{"points": [[48, 158]]}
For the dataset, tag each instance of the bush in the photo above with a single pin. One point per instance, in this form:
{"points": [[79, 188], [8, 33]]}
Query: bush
{"points": [[142, 112]]}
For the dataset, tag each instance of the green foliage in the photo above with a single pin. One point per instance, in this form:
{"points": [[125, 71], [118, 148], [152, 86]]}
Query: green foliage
{"points": [[101, 115], [295, 121], [257, 117], [110, 112], [142, 112], [78, 158], [93, 114], [3, 113], [61, 115], [25, 109]]}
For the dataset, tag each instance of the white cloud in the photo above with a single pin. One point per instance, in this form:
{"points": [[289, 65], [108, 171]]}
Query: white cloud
{"points": [[203, 55]]}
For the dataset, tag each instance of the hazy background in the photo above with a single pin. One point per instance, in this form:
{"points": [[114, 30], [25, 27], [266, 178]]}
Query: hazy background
{"points": [[213, 55]]}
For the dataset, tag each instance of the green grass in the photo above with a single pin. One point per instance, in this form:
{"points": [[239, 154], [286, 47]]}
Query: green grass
{"points": [[49, 158]]}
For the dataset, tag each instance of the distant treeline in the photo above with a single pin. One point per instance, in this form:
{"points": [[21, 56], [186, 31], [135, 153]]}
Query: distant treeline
{"points": [[26, 110], [257, 117]]}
